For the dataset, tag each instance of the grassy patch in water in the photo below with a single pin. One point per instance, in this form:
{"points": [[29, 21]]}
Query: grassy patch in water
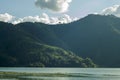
{"points": [[18, 74]]}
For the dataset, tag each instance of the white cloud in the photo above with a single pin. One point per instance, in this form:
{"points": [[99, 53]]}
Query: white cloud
{"points": [[53, 5], [114, 10], [6, 17], [44, 18]]}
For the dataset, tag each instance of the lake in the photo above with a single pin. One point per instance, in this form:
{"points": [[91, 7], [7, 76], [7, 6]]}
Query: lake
{"points": [[59, 73]]}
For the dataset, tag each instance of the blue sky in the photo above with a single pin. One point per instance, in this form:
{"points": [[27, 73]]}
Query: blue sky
{"points": [[77, 8], [21, 8]]}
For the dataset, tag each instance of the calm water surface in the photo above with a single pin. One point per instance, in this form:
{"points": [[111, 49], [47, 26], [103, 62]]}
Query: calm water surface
{"points": [[81, 73]]}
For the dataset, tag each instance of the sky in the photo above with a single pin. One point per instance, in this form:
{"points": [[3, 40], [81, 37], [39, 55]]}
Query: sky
{"points": [[55, 8]]}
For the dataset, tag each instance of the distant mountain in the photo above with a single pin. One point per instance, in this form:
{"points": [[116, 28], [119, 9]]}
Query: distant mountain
{"points": [[23, 46], [94, 36], [97, 37]]}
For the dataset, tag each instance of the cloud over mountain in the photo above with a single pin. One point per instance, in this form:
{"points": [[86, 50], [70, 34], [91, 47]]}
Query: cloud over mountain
{"points": [[53, 5], [6, 17], [114, 10], [44, 18]]}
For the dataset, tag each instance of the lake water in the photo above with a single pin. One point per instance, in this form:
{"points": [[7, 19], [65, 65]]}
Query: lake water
{"points": [[76, 73]]}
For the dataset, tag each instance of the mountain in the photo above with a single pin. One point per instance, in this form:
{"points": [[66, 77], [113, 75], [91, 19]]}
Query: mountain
{"points": [[94, 36], [25, 47], [97, 37]]}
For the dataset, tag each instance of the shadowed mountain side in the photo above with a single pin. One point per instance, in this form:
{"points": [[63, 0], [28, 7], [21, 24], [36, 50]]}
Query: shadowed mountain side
{"points": [[21, 48]]}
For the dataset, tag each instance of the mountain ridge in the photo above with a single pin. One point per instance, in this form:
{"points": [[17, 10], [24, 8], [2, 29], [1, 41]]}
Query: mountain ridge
{"points": [[94, 36], [18, 48]]}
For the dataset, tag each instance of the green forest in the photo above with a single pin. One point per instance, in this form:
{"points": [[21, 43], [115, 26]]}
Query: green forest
{"points": [[92, 41]]}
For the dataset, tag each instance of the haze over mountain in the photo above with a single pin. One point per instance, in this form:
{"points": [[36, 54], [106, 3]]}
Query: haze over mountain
{"points": [[94, 36]]}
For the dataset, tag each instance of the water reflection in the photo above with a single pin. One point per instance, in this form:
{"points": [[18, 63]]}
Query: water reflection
{"points": [[57, 78], [54, 74], [47, 78]]}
